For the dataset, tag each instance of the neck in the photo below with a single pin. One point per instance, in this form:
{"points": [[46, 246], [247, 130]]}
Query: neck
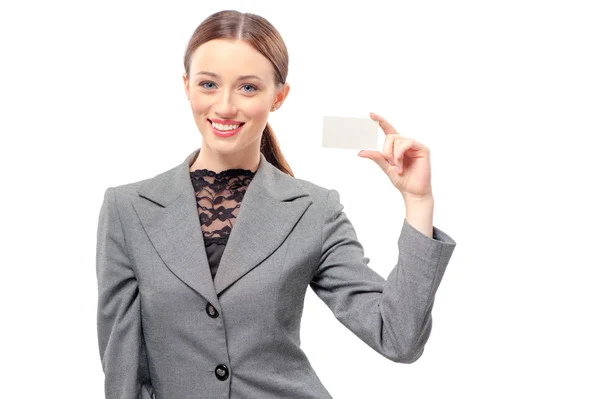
{"points": [[219, 162]]}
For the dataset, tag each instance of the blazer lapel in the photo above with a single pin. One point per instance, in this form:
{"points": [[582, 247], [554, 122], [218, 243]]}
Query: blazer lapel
{"points": [[272, 204]]}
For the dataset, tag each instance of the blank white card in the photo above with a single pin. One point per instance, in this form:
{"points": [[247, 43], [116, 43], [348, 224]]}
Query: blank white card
{"points": [[350, 133]]}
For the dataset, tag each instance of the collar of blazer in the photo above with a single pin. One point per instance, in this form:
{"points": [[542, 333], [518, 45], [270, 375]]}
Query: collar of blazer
{"points": [[272, 204]]}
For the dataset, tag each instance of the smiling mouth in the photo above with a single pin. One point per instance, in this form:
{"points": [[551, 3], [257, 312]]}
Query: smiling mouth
{"points": [[238, 124]]}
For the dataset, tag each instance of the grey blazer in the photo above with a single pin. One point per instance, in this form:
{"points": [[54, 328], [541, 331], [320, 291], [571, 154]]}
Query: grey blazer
{"points": [[166, 330]]}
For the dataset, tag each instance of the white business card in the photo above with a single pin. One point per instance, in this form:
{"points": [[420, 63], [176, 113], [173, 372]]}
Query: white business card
{"points": [[350, 133]]}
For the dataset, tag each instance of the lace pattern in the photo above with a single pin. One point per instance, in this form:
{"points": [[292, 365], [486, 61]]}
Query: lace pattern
{"points": [[219, 196]]}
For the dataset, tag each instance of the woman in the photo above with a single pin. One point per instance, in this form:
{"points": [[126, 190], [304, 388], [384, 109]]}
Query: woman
{"points": [[202, 270]]}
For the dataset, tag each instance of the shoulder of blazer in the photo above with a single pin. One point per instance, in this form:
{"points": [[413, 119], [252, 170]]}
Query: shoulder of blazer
{"points": [[153, 188]]}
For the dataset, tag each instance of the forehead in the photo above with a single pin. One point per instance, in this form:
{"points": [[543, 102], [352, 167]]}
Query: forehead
{"points": [[229, 59]]}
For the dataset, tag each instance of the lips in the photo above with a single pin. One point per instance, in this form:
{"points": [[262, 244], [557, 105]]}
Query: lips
{"points": [[226, 121], [226, 133]]}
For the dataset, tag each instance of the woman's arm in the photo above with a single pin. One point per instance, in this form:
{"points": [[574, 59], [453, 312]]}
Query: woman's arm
{"points": [[118, 318], [393, 315]]}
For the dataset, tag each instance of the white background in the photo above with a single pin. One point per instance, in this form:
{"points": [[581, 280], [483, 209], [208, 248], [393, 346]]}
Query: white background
{"points": [[506, 94]]}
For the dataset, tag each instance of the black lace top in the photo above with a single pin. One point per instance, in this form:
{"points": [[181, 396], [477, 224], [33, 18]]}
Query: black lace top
{"points": [[218, 197]]}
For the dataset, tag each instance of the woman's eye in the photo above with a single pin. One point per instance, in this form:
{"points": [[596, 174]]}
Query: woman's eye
{"points": [[203, 83], [252, 86]]}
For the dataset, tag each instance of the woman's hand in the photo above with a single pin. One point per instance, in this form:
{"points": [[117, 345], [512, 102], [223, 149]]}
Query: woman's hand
{"points": [[404, 160]]}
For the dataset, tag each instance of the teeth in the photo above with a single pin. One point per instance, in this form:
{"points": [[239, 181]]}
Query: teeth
{"points": [[224, 127]]}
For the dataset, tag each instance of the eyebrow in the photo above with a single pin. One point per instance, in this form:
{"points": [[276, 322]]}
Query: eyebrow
{"points": [[239, 77]]}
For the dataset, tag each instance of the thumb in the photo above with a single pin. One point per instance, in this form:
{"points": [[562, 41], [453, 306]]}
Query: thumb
{"points": [[376, 156]]}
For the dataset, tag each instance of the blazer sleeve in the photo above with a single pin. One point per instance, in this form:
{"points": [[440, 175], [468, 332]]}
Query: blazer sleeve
{"points": [[122, 349], [393, 315]]}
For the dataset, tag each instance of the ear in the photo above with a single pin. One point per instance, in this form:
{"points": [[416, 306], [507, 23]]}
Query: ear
{"points": [[186, 87], [281, 95]]}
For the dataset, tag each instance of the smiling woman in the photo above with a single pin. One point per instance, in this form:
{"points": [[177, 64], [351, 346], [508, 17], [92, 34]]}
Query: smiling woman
{"points": [[203, 269]]}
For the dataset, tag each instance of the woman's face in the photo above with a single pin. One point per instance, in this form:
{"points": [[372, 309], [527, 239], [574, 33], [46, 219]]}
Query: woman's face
{"points": [[215, 90]]}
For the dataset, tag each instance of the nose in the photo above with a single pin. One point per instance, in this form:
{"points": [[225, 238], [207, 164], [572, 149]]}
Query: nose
{"points": [[225, 107]]}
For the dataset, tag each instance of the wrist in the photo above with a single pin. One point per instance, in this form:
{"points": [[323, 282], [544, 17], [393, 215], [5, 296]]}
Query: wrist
{"points": [[419, 213], [418, 199]]}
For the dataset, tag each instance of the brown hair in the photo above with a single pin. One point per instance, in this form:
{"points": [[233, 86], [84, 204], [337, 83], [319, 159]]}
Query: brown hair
{"points": [[260, 34]]}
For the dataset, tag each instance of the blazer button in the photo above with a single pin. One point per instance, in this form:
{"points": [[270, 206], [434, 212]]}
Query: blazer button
{"points": [[212, 312], [222, 372]]}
